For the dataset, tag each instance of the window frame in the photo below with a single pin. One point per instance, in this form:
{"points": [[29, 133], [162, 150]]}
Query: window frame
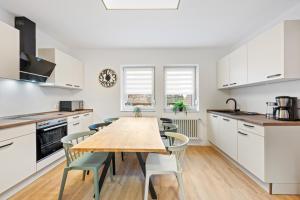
{"points": [[124, 108], [195, 107]]}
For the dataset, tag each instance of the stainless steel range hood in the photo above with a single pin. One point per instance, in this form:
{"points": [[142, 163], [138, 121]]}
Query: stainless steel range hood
{"points": [[32, 68]]}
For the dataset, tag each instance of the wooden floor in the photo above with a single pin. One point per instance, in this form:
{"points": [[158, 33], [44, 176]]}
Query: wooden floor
{"points": [[207, 176]]}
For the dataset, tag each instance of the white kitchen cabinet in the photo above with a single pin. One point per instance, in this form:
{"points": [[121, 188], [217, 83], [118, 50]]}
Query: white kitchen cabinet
{"points": [[251, 153], [238, 67], [265, 55], [227, 137], [9, 52], [223, 72], [87, 120], [68, 71], [272, 56], [17, 155], [213, 128]]}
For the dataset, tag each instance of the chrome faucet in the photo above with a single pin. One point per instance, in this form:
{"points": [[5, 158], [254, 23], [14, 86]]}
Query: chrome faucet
{"points": [[235, 104]]}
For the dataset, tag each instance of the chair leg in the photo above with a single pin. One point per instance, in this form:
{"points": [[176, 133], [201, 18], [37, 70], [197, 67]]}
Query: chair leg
{"points": [[96, 184], [83, 174], [111, 173], [63, 183], [180, 183], [146, 191], [122, 154]]}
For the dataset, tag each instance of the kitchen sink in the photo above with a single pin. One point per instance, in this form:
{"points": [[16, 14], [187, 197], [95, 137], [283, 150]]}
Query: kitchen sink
{"points": [[232, 112]]}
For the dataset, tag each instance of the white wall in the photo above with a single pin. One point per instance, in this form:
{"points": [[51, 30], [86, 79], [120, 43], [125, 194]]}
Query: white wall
{"points": [[106, 101], [22, 98], [254, 98]]}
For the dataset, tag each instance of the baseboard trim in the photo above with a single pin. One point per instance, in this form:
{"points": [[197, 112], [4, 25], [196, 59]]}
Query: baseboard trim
{"points": [[13, 190]]}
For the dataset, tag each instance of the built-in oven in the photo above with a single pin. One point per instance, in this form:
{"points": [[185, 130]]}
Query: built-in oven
{"points": [[48, 137]]}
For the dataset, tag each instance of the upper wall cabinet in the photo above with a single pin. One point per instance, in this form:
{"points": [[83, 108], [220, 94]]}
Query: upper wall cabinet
{"points": [[68, 71], [9, 52], [223, 72], [232, 69], [271, 56]]}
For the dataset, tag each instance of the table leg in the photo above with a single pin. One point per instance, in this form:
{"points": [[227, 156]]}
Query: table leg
{"points": [[105, 169], [142, 164], [114, 163]]}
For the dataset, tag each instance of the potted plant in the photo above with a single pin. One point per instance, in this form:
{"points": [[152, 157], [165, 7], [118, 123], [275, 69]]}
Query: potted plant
{"points": [[179, 106], [137, 112]]}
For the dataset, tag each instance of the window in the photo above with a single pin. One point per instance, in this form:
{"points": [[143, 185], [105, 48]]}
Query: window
{"points": [[137, 88], [181, 84]]}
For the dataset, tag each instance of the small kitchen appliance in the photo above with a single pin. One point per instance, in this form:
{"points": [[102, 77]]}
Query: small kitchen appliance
{"points": [[287, 108], [70, 106]]}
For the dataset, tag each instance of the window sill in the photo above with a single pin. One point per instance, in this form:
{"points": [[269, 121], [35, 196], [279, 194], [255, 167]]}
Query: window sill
{"points": [[166, 110], [150, 110]]}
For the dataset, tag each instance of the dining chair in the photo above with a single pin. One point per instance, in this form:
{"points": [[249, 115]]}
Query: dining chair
{"points": [[82, 161], [168, 128], [168, 164], [111, 120], [96, 127]]}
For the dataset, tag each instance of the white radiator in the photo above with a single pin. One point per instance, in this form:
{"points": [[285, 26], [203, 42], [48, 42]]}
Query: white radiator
{"points": [[190, 128]]}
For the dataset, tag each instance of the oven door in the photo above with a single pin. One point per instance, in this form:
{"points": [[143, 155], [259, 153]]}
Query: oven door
{"points": [[48, 140]]}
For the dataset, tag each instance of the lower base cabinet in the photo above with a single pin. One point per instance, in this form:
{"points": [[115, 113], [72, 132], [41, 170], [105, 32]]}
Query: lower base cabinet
{"points": [[251, 153], [79, 123], [18, 160]]}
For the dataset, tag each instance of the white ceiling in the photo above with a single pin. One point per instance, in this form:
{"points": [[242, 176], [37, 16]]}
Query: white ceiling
{"points": [[197, 23]]}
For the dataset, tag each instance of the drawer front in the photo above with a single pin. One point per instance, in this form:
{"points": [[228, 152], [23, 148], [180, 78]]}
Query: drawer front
{"points": [[9, 133], [74, 118], [74, 127], [251, 153], [18, 160], [259, 130]]}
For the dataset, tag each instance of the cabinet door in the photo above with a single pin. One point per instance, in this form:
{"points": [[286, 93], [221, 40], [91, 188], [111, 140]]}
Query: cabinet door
{"points": [[18, 160], [228, 137], [266, 55], [9, 52], [63, 69], [213, 128], [223, 72], [251, 152], [87, 120], [238, 66], [78, 74]]}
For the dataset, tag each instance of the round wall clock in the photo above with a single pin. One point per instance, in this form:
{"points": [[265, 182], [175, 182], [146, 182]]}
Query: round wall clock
{"points": [[108, 78]]}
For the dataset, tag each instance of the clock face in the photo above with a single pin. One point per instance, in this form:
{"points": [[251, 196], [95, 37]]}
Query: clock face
{"points": [[108, 78]]}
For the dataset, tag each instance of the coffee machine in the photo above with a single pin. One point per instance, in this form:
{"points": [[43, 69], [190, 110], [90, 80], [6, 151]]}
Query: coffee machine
{"points": [[287, 108]]}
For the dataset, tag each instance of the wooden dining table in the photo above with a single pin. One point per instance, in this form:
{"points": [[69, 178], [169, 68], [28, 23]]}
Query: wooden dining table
{"points": [[127, 134]]}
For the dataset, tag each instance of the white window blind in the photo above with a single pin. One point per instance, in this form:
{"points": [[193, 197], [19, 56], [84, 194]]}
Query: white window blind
{"points": [[180, 84], [138, 87]]}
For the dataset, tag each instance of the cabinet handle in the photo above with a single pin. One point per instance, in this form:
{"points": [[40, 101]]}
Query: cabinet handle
{"points": [[242, 133], [77, 86], [249, 126], [227, 120], [273, 76], [233, 83], [225, 85], [76, 124], [6, 145], [215, 116], [75, 117], [70, 85], [86, 115]]}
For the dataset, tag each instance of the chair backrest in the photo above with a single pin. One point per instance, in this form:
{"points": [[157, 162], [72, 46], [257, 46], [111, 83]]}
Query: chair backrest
{"points": [[96, 127], [111, 119], [70, 140], [166, 120], [178, 147], [168, 127]]}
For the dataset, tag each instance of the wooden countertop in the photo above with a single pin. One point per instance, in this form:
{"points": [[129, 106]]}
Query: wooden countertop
{"points": [[259, 119], [20, 120]]}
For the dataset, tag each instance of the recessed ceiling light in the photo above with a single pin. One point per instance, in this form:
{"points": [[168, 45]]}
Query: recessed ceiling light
{"points": [[141, 4]]}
